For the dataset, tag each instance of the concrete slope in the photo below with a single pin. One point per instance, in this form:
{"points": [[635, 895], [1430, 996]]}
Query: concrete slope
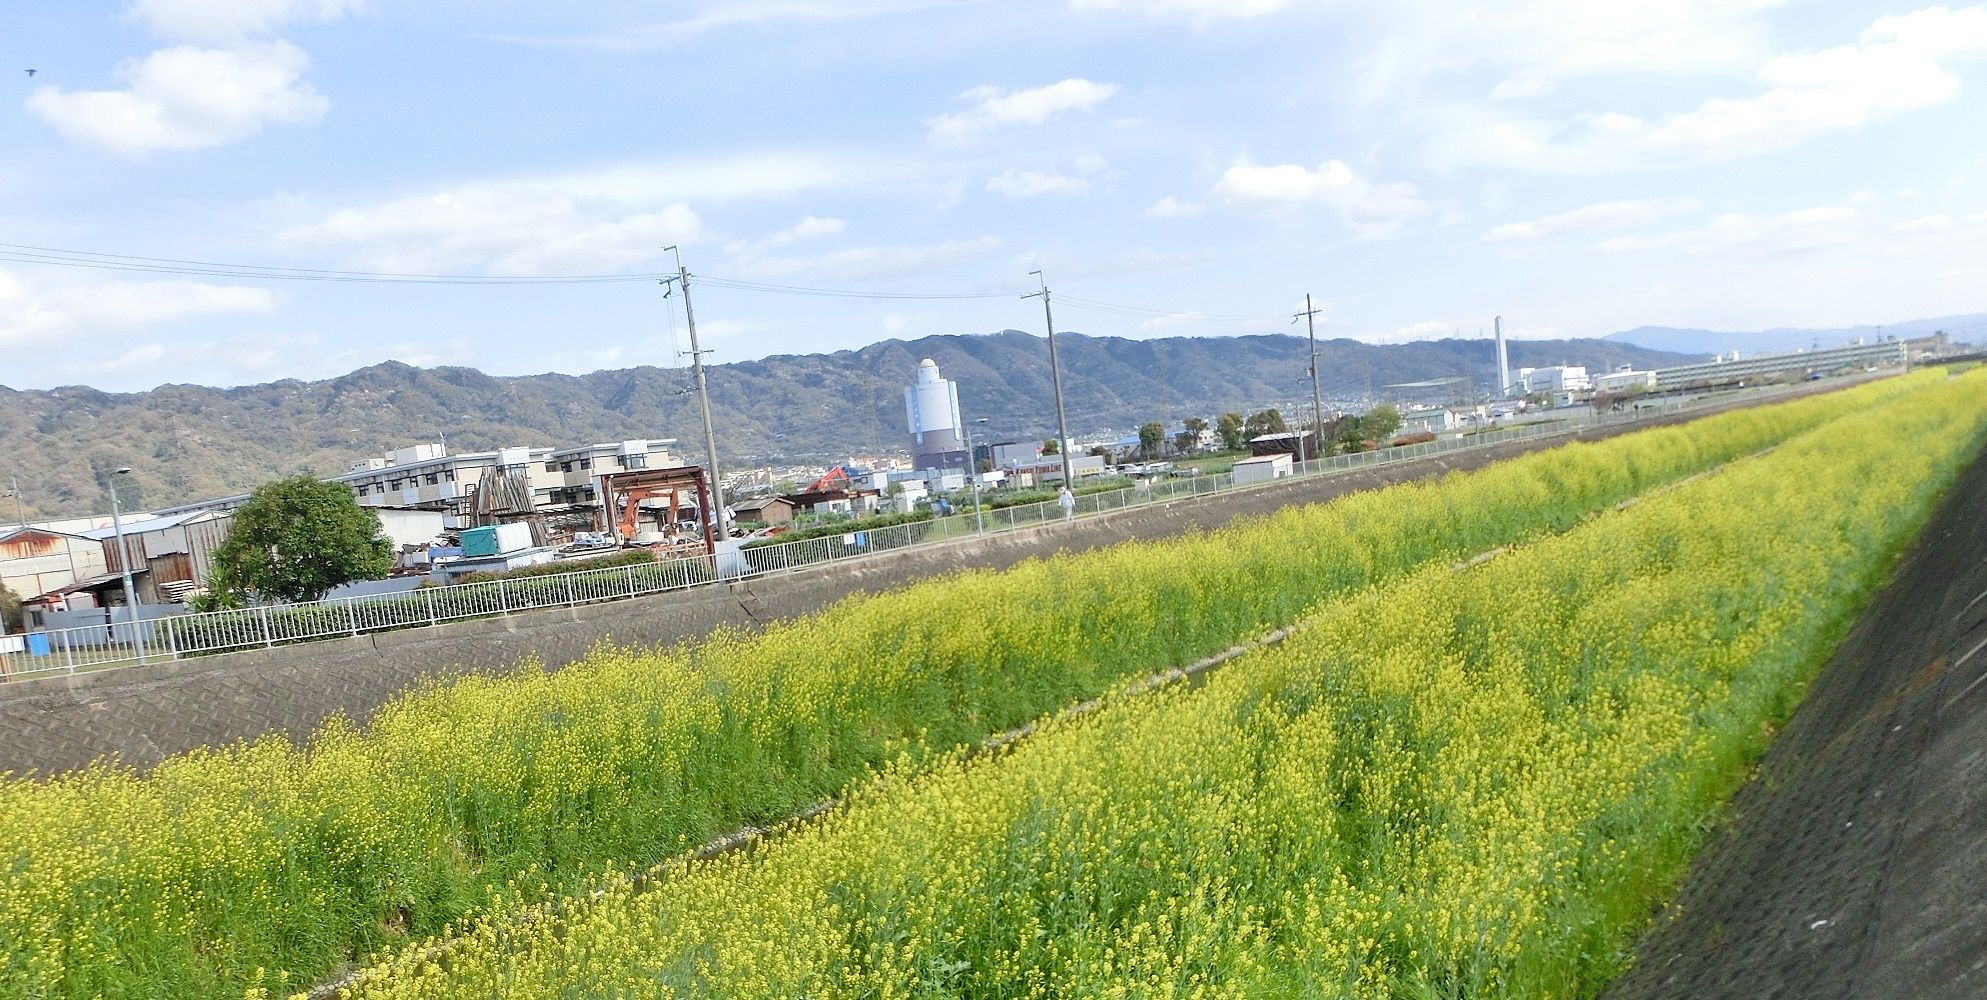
{"points": [[1855, 864]]}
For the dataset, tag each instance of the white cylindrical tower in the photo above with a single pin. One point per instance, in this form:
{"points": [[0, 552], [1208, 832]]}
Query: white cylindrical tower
{"points": [[1503, 361], [931, 405]]}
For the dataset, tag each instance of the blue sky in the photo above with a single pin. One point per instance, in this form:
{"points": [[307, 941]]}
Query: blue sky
{"points": [[1196, 165]]}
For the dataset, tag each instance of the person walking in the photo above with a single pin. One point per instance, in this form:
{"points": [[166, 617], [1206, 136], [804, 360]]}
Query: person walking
{"points": [[1068, 502]]}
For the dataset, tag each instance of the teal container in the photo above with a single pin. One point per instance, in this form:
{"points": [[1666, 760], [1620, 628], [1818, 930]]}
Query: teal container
{"points": [[478, 542]]}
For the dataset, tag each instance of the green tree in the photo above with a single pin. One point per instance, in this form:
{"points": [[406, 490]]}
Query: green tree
{"points": [[10, 611], [1150, 436], [295, 539], [1351, 434], [1229, 426], [1052, 447], [1381, 422], [1268, 421], [1188, 441]]}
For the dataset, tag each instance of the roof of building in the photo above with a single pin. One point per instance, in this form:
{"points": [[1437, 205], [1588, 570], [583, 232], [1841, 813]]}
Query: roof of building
{"points": [[1281, 456], [19, 530], [762, 503], [90, 584], [155, 524]]}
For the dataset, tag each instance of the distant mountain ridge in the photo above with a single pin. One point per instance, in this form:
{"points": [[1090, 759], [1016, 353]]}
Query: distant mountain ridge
{"points": [[1682, 340], [188, 442]]}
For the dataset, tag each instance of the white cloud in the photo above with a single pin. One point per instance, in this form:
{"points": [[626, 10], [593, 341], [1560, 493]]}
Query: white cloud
{"points": [[994, 108], [231, 20], [723, 176], [1082, 180], [187, 98], [1036, 183], [1898, 64], [502, 231], [1619, 214], [812, 227], [634, 37], [1201, 12], [1370, 209], [1925, 224], [1425, 330], [37, 310], [1170, 207], [1521, 87], [863, 263], [1796, 232], [1175, 321]]}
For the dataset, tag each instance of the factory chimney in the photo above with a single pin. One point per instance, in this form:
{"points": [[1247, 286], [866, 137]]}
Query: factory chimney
{"points": [[1503, 362]]}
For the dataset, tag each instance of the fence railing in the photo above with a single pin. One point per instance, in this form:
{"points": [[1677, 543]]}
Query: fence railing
{"points": [[122, 643]]}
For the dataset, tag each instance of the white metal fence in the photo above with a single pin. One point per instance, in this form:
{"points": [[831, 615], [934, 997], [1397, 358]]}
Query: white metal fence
{"points": [[69, 650]]}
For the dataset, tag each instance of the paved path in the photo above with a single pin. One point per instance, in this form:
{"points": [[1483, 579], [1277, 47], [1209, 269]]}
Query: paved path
{"points": [[1855, 865]]}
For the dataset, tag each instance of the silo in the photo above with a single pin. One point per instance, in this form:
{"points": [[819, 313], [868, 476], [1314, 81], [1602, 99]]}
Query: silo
{"points": [[931, 404]]}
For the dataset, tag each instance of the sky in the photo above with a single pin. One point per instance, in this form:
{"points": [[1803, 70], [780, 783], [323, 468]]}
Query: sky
{"points": [[1174, 167]]}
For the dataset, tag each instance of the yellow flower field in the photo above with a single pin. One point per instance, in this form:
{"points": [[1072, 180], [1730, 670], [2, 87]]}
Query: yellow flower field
{"points": [[271, 865], [1465, 782]]}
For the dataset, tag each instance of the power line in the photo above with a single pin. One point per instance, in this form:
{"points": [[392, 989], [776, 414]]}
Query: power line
{"points": [[743, 285]]}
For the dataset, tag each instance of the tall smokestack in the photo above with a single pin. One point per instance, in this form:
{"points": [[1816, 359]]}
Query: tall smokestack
{"points": [[1503, 362]]}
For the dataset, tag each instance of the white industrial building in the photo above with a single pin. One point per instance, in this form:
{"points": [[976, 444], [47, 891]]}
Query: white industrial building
{"points": [[1554, 380], [1623, 380], [1724, 368], [1263, 468], [931, 407]]}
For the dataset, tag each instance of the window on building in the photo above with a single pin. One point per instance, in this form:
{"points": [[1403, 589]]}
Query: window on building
{"points": [[434, 478], [554, 467], [586, 463]]}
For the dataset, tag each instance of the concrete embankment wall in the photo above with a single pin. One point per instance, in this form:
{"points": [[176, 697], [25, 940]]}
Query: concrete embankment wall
{"points": [[145, 713]]}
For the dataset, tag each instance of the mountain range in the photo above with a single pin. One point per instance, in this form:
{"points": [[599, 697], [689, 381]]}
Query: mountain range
{"points": [[187, 442], [1682, 340]]}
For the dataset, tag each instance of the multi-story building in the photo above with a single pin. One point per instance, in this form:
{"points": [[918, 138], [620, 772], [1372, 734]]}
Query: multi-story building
{"points": [[430, 479], [1732, 368], [580, 468]]}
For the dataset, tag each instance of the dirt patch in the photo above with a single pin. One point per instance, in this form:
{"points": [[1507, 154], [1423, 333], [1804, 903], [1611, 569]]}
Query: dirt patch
{"points": [[1855, 863]]}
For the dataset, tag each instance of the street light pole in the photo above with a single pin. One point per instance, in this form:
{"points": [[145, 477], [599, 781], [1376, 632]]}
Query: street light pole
{"points": [[124, 565], [1055, 379]]}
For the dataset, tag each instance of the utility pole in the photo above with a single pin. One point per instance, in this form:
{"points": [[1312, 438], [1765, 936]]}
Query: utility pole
{"points": [[1055, 378], [20, 507], [1310, 318], [715, 516], [124, 569]]}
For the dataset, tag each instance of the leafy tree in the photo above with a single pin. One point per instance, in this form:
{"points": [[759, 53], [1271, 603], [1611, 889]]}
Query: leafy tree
{"points": [[1230, 427], [10, 611], [295, 539], [1052, 447], [1381, 422], [1188, 441], [1150, 436], [1268, 421], [1351, 434]]}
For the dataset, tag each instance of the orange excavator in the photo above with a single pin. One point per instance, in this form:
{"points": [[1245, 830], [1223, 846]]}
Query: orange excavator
{"points": [[632, 512], [837, 478]]}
